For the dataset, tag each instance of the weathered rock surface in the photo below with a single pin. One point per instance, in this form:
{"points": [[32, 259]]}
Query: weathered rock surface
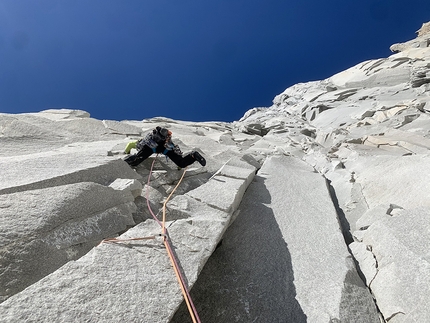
{"points": [[43, 229], [333, 228], [400, 273], [284, 259]]}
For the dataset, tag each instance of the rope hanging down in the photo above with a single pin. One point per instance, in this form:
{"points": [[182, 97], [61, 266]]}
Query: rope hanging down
{"points": [[187, 297], [191, 308]]}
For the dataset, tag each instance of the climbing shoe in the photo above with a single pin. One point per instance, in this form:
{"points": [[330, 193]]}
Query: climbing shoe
{"points": [[199, 158]]}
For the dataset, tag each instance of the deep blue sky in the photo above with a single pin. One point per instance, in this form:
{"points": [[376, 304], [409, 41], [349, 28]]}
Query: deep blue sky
{"points": [[195, 60]]}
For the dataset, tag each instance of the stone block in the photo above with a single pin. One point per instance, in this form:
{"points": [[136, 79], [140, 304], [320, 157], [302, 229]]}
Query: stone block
{"points": [[43, 229], [400, 246], [48, 170], [284, 258], [132, 185]]}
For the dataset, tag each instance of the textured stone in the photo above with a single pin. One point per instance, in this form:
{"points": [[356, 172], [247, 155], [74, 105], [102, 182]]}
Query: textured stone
{"points": [[400, 246], [43, 229], [132, 185], [60, 114], [284, 257], [126, 272]]}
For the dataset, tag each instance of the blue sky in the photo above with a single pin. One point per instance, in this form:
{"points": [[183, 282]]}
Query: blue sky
{"points": [[194, 60]]}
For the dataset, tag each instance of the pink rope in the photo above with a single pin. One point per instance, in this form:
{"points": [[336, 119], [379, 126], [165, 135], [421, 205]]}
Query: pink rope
{"points": [[194, 315], [182, 279], [147, 194]]}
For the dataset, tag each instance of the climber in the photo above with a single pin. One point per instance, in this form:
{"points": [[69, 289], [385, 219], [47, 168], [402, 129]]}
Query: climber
{"points": [[160, 141]]}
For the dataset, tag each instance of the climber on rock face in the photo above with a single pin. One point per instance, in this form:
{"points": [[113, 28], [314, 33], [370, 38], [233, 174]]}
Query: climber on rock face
{"points": [[160, 141]]}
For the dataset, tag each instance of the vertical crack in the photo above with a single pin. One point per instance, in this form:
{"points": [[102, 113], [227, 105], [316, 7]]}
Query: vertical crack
{"points": [[369, 248], [345, 229], [343, 222]]}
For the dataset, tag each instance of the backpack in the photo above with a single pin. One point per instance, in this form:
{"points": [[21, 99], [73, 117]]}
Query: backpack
{"points": [[157, 137]]}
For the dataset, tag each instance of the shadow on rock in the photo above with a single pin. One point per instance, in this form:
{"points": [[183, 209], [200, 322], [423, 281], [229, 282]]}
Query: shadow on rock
{"points": [[249, 278]]}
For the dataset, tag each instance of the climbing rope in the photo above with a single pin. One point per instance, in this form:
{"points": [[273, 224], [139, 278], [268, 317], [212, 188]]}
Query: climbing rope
{"points": [[166, 240], [147, 193], [167, 244], [134, 239]]}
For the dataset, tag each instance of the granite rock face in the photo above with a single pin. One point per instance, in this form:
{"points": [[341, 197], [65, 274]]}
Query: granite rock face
{"points": [[315, 209], [43, 229]]}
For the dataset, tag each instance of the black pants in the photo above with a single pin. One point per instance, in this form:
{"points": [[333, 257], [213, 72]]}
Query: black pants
{"points": [[145, 152]]}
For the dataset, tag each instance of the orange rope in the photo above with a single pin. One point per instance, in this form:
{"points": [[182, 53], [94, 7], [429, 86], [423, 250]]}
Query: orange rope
{"points": [[168, 198], [164, 234], [181, 281]]}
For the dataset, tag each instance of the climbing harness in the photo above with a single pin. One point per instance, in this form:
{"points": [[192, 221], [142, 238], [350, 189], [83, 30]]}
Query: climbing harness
{"points": [[166, 240]]}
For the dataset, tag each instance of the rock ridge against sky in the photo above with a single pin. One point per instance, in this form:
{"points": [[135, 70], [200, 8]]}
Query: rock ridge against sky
{"points": [[315, 209]]}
